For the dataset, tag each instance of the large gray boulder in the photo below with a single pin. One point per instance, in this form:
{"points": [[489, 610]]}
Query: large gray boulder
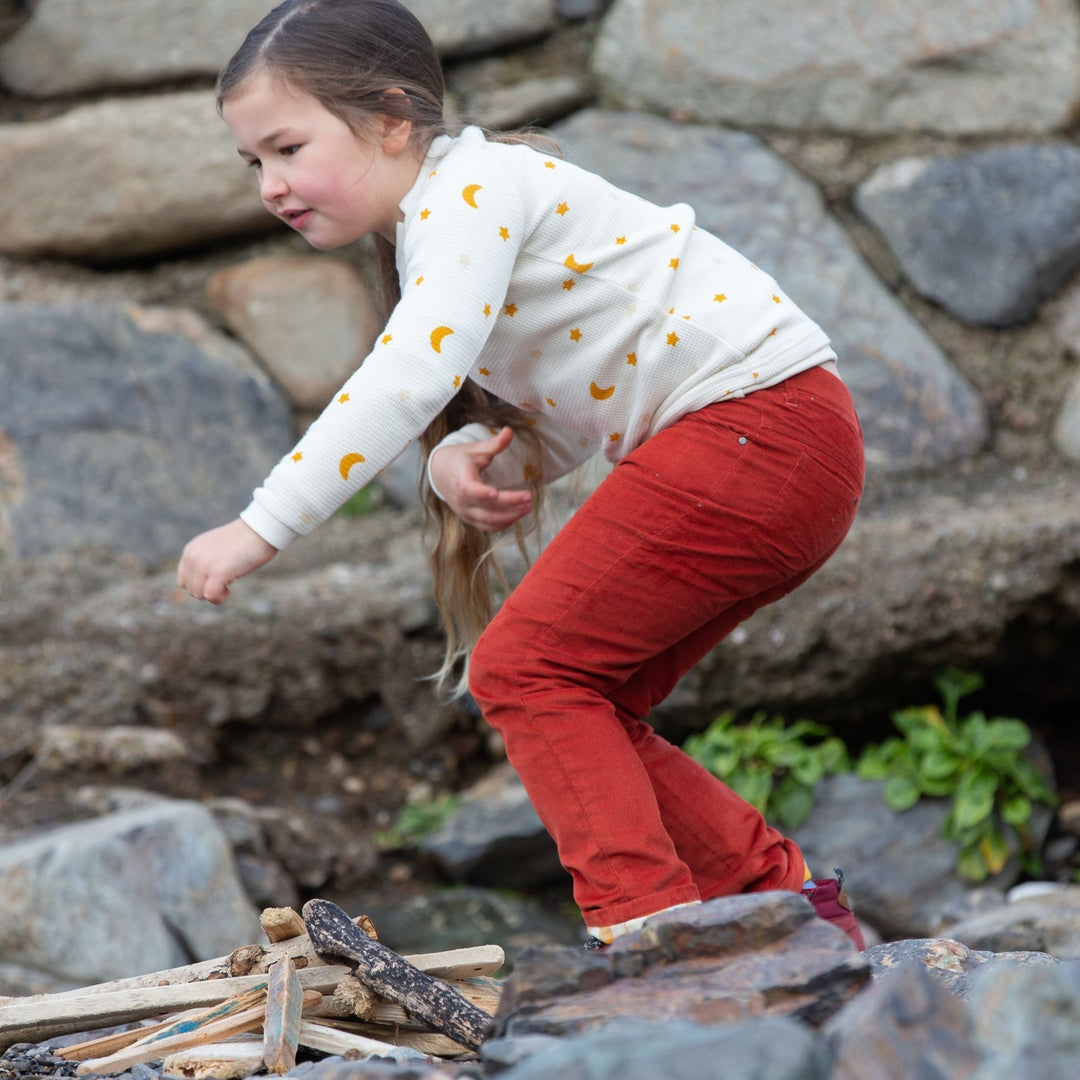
{"points": [[917, 411], [989, 235], [867, 67], [154, 174], [123, 894], [66, 46], [128, 427]]}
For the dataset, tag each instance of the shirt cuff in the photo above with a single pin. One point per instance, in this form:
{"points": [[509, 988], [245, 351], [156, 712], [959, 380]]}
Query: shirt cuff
{"points": [[267, 526]]}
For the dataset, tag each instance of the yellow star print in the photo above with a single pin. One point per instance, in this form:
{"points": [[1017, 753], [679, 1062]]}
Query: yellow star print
{"points": [[511, 310], [504, 232], [487, 311], [575, 334], [674, 228], [620, 239], [297, 456], [720, 297], [485, 372], [673, 338], [343, 398], [425, 214], [568, 284], [674, 264], [549, 164], [387, 338], [631, 358], [561, 209]]}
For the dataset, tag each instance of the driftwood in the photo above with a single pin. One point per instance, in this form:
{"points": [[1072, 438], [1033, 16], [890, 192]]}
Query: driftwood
{"points": [[439, 1003], [281, 1027], [337, 939], [233, 1060], [189, 1021], [41, 1018]]}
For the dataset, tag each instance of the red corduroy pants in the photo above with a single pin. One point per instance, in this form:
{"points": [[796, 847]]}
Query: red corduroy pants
{"points": [[729, 509]]}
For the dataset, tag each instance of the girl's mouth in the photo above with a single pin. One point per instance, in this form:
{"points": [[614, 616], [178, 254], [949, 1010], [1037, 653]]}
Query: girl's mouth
{"points": [[296, 218]]}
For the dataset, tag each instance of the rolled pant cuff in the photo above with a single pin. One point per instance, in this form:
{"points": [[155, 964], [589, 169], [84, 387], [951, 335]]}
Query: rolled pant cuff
{"points": [[610, 917]]}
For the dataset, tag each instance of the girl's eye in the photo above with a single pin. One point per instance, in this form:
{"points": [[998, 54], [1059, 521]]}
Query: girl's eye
{"points": [[288, 151], [254, 163]]}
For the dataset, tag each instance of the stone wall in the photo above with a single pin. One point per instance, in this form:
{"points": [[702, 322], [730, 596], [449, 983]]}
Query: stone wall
{"points": [[907, 172]]}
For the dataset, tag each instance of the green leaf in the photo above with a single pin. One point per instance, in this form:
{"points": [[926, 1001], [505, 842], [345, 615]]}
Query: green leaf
{"points": [[938, 764], [970, 864], [792, 804], [1016, 810], [900, 793], [1005, 734], [994, 851], [974, 798]]}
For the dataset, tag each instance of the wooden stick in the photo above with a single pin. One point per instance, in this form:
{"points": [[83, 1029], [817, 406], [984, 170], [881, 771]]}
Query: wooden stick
{"points": [[35, 1019], [281, 1029], [159, 1047], [427, 1042], [337, 938], [317, 1036], [217, 1061], [248, 1020], [281, 924], [110, 1044]]}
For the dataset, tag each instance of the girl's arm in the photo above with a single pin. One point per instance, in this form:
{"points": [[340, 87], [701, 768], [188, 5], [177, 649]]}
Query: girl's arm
{"points": [[561, 451], [213, 560]]}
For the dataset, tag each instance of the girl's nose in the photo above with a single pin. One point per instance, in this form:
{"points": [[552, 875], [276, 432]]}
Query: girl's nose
{"points": [[272, 185]]}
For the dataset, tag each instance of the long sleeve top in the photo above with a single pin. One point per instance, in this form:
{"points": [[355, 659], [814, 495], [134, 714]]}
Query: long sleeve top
{"points": [[604, 316]]}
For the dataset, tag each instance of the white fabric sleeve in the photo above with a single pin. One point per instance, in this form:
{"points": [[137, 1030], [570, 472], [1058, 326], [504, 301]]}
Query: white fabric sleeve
{"points": [[428, 348], [561, 451]]}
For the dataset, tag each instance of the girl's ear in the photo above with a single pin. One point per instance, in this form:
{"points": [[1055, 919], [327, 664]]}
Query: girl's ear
{"points": [[397, 130]]}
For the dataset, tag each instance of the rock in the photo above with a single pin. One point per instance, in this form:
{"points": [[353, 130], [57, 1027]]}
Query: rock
{"points": [[917, 411], [933, 581], [119, 749], [770, 1049], [463, 916], [309, 319], [1067, 424], [123, 894], [128, 427], [758, 954], [68, 46], [952, 965], [870, 68], [495, 837], [1048, 924], [473, 26], [156, 174], [1026, 1022], [530, 101], [900, 870], [19, 981], [905, 1025], [989, 235]]}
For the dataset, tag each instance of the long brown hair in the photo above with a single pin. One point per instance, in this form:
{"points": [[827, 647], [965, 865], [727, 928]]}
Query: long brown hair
{"points": [[361, 59]]}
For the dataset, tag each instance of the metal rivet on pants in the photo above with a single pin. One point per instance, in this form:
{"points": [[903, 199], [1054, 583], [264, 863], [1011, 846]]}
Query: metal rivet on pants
{"points": [[742, 440]]}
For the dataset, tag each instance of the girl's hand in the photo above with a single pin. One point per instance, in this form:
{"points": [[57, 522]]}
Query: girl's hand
{"points": [[456, 471], [215, 559]]}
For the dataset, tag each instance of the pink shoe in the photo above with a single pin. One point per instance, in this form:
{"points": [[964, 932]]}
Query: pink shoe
{"points": [[831, 903]]}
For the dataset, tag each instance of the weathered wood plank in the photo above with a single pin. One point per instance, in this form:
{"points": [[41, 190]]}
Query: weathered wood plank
{"points": [[35, 1019], [318, 1036], [281, 924], [281, 1028], [232, 1060], [337, 938]]}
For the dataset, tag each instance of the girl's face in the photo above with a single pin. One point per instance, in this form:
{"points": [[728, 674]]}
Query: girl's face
{"points": [[315, 173]]}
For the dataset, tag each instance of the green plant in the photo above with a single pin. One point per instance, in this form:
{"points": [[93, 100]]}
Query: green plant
{"points": [[976, 763], [365, 501], [772, 765], [414, 821]]}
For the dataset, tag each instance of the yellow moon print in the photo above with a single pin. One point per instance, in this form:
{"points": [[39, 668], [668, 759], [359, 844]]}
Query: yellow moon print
{"points": [[347, 462], [573, 264], [469, 195], [601, 393], [437, 336]]}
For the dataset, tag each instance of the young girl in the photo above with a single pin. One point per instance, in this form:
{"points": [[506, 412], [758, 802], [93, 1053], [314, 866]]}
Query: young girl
{"points": [[540, 315]]}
